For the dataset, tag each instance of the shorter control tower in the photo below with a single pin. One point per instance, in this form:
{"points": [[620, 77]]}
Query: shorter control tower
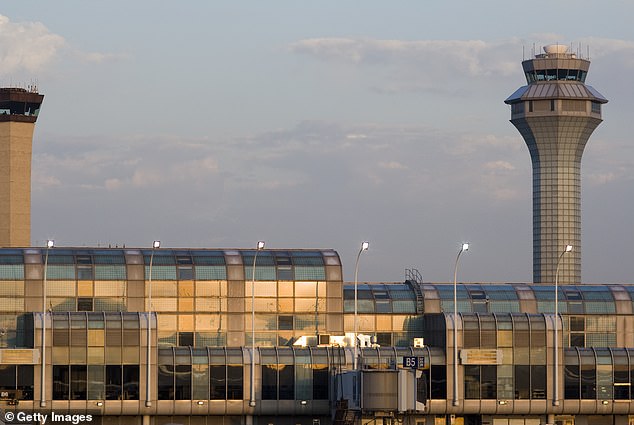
{"points": [[556, 113], [18, 113]]}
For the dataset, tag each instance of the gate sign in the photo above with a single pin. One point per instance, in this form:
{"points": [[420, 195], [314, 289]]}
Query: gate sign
{"points": [[413, 362]]}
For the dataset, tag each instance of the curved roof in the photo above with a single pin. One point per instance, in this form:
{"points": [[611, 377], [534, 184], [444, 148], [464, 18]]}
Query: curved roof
{"points": [[556, 90], [379, 298]]}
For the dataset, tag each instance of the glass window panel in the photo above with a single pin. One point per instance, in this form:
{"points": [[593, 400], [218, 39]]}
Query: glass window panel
{"points": [[95, 382], [286, 382], [306, 289], [471, 381], [161, 272], [25, 381], [182, 382], [208, 258], [265, 289], [588, 375], [61, 382], [571, 381], [505, 382], [538, 382], [310, 273], [522, 382], [60, 289], [488, 376], [78, 387], [131, 382], [320, 382], [66, 271], [269, 382], [110, 272], [11, 271], [200, 377], [211, 272], [113, 382], [217, 377], [604, 382], [234, 382], [261, 272], [303, 376], [402, 306], [306, 304], [165, 382]]}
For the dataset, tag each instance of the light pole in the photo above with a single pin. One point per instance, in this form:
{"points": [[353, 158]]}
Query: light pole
{"points": [[49, 244], [364, 247], [259, 247], [556, 325], [464, 247], [148, 399]]}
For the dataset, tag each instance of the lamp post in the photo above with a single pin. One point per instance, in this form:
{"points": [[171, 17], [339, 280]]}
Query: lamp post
{"points": [[464, 247], [49, 244], [148, 399], [364, 247], [567, 249], [259, 247]]}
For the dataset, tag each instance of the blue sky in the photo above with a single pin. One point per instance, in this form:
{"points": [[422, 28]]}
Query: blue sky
{"points": [[315, 125]]}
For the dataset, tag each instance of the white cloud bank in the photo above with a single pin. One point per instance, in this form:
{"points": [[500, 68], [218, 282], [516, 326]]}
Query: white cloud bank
{"points": [[449, 66], [27, 45], [31, 47]]}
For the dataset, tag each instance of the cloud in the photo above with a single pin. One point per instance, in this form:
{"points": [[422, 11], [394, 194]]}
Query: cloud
{"points": [[27, 46], [499, 166], [392, 165], [98, 57], [465, 57], [31, 47], [447, 67]]}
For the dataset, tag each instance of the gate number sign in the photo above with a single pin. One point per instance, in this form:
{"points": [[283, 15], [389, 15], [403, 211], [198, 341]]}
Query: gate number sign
{"points": [[413, 362]]}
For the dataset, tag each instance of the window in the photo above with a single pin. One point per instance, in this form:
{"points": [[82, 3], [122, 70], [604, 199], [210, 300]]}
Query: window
{"points": [[320, 382], [234, 382], [284, 268], [122, 382], [186, 339], [17, 380], [480, 382], [166, 382], [226, 382], [84, 267], [588, 375], [285, 323], [472, 382], [185, 268], [522, 382], [61, 381], [538, 382], [269, 382], [84, 304], [438, 382], [183, 382]]}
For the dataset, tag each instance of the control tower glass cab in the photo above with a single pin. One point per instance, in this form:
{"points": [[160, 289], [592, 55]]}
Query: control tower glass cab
{"points": [[556, 112], [18, 104]]}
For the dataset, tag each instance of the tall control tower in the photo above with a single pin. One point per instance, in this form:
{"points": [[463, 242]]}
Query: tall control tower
{"points": [[556, 113], [18, 113]]}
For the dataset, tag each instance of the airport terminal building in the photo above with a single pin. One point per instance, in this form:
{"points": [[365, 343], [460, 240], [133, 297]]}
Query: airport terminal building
{"points": [[178, 347], [168, 336]]}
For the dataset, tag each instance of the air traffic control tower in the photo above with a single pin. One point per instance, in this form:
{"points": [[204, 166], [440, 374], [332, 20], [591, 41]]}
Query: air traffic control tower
{"points": [[556, 113], [18, 113]]}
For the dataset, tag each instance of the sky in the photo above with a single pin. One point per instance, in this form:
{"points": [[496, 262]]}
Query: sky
{"points": [[315, 125]]}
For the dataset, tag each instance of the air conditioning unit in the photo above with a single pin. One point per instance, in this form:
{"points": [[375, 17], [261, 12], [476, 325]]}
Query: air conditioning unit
{"points": [[324, 339]]}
